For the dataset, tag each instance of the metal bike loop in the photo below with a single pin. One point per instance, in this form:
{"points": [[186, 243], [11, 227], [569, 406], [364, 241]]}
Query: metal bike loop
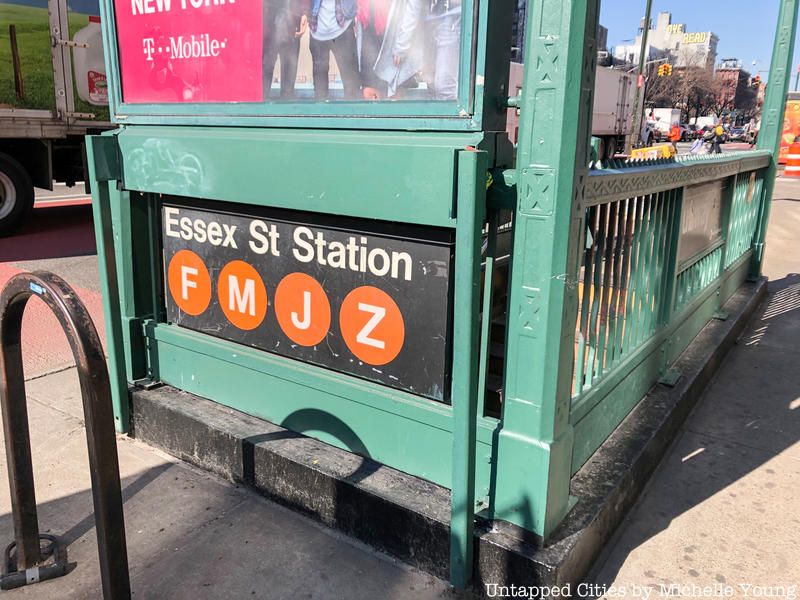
{"points": [[27, 560]]}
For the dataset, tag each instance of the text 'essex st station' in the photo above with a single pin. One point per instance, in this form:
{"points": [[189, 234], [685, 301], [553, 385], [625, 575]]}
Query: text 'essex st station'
{"points": [[308, 246]]}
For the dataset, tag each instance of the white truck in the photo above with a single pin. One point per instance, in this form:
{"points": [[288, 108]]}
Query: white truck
{"points": [[42, 122], [612, 111], [663, 119]]}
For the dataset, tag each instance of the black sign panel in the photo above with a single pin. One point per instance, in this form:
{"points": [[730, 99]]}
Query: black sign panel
{"points": [[365, 298]]}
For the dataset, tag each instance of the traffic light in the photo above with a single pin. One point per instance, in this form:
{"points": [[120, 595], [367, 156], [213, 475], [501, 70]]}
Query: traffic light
{"points": [[668, 70], [757, 81], [664, 70]]}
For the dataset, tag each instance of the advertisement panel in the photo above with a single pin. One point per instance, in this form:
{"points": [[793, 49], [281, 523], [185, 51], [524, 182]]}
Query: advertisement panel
{"points": [[201, 51], [791, 127], [368, 299], [190, 50]]}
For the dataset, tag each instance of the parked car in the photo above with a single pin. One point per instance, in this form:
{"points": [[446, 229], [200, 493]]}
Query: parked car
{"points": [[690, 133], [737, 134]]}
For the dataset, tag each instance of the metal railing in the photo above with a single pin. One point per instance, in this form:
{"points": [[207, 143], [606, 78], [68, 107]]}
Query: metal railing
{"points": [[656, 235], [26, 561]]}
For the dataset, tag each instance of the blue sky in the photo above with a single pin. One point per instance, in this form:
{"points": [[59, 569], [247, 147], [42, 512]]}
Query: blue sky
{"points": [[746, 28]]}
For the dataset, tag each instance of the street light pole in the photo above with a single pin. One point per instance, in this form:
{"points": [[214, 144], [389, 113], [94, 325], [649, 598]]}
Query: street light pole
{"points": [[637, 112]]}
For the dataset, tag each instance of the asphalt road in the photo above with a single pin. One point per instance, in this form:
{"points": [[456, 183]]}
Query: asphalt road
{"points": [[683, 147], [59, 238]]}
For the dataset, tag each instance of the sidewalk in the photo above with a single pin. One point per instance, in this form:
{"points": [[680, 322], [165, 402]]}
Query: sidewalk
{"points": [[190, 534], [722, 509]]}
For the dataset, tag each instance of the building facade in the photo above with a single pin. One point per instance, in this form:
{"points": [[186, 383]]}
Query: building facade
{"points": [[672, 41]]}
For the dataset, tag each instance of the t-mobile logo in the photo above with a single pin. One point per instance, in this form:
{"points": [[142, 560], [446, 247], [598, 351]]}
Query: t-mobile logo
{"points": [[149, 47]]}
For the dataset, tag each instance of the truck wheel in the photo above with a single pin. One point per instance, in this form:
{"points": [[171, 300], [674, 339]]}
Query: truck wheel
{"points": [[16, 194], [611, 148]]}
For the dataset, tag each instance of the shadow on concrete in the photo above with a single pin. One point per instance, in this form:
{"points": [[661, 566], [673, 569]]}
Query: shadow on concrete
{"points": [[189, 538], [52, 232], [749, 414]]}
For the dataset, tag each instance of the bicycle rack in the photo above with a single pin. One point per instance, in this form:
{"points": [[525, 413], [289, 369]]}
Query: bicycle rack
{"points": [[26, 560]]}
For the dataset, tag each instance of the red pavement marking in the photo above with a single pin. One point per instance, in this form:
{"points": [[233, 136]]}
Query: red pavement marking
{"points": [[44, 345], [737, 145], [51, 232], [44, 202]]}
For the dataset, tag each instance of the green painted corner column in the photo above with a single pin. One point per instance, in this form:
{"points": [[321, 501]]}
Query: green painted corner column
{"points": [[104, 166], [769, 136], [531, 481]]}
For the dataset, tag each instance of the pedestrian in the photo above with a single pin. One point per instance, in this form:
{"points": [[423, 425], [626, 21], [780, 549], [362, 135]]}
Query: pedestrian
{"points": [[675, 136], [752, 132], [718, 138], [332, 31]]}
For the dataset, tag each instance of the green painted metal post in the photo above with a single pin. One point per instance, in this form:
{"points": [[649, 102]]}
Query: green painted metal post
{"points": [[534, 452], [103, 161], [769, 136], [636, 134], [472, 167]]}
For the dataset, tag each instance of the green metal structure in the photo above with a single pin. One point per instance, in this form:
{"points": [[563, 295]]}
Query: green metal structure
{"points": [[604, 280]]}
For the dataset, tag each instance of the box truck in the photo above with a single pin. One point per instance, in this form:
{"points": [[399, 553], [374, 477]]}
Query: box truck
{"points": [[612, 110], [52, 93]]}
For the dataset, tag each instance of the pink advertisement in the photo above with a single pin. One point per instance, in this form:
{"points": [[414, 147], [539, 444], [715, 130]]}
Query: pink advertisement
{"points": [[190, 50]]}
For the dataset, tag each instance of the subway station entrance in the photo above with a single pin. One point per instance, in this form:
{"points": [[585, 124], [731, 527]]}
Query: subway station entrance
{"points": [[314, 229]]}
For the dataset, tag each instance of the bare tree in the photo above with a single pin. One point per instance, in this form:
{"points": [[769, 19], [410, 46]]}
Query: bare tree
{"points": [[689, 88]]}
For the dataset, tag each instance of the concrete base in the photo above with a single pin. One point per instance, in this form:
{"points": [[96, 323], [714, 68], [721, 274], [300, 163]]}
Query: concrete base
{"points": [[409, 517]]}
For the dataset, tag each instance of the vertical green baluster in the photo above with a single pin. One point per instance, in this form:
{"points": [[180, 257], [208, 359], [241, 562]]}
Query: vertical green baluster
{"points": [[591, 371], [630, 205], [615, 320], [664, 288], [627, 270], [652, 272], [608, 268], [738, 219], [486, 309], [591, 229], [633, 285], [734, 229], [644, 273]]}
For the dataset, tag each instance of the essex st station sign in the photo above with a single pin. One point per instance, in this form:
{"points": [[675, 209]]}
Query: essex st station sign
{"points": [[367, 300]]}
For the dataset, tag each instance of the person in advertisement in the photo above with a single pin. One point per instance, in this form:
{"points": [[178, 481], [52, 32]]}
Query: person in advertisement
{"points": [[412, 23], [372, 18], [401, 54], [285, 22], [332, 31], [445, 18]]}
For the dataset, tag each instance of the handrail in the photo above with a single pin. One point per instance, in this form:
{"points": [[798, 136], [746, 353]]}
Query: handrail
{"points": [[637, 178], [31, 565]]}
